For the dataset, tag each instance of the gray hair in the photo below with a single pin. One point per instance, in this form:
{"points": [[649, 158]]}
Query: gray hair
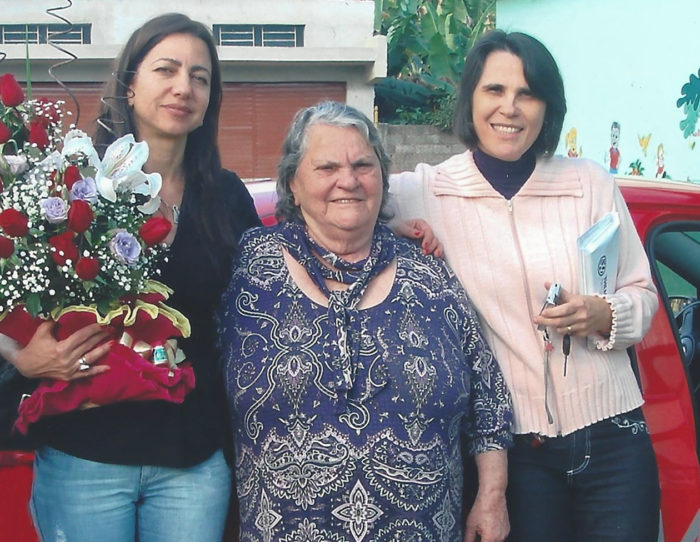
{"points": [[294, 148]]}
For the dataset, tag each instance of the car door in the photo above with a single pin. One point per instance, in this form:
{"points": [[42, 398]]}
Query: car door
{"points": [[667, 217]]}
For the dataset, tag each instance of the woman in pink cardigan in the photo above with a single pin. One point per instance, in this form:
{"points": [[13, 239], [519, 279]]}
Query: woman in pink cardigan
{"points": [[509, 215]]}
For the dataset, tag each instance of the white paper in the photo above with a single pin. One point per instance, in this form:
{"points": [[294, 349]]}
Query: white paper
{"points": [[598, 250]]}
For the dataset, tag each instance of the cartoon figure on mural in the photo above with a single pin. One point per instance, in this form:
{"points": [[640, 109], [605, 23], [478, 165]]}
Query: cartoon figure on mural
{"points": [[644, 142], [614, 151], [571, 144], [660, 170]]}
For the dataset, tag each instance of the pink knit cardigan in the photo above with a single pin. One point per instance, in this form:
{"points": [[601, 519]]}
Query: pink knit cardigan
{"points": [[505, 250]]}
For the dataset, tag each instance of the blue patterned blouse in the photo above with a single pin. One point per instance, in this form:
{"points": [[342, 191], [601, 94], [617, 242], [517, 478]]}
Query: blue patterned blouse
{"points": [[382, 460]]}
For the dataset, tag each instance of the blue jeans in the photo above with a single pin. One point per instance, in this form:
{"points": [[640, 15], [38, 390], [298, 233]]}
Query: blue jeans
{"points": [[599, 483], [75, 500]]}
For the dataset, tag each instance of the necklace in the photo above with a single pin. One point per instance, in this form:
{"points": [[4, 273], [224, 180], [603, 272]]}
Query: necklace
{"points": [[174, 209]]}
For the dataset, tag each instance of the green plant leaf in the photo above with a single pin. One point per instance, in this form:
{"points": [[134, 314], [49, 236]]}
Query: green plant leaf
{"points": [[33, 304], [430, 23], [440, 59], [447, 86], [104, 306], [459, 10], [480, 24]]}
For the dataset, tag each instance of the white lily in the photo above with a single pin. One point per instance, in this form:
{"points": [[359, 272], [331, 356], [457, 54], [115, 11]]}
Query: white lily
{"points": [[120, 168], [78, 142]]}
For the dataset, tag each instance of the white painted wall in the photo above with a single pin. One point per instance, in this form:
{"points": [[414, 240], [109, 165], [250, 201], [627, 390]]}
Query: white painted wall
{"points": [[624, 61], [338, 40]]}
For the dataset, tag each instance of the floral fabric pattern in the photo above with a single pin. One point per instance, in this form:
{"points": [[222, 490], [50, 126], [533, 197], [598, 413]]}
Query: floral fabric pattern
{"points": [[316, 461]]}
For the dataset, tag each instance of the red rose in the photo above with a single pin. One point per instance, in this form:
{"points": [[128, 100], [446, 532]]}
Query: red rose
{"points": [[65, 248], [71, 175], [87, 268], [10, 92], [38, 135], [14, 223], [7, 247], [80, 216], [5, 133], [154, 230]]}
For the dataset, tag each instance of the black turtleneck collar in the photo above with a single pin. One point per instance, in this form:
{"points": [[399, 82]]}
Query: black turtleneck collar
{"points": [[505, 177]]}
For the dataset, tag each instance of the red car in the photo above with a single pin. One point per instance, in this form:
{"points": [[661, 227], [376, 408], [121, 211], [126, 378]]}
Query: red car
{"points": [[667, 216]]}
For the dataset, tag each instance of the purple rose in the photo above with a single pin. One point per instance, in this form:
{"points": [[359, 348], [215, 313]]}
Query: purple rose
{"points": [[125, 247], [85, 189], [54, 209]]}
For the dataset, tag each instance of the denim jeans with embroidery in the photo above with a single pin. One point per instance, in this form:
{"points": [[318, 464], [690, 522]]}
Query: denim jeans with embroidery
{"points": [[599, 484]]}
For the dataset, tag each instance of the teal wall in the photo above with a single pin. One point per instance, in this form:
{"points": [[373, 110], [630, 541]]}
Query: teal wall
{"points": [[624, 61]]}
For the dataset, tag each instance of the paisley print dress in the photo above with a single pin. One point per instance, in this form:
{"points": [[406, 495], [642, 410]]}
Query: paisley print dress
{"points": [[379, 461]]}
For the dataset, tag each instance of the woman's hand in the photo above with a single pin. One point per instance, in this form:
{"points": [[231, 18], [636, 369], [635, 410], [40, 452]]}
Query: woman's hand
{"points": [[45, 357], [419, 229], [577, 315], [488, 519]]}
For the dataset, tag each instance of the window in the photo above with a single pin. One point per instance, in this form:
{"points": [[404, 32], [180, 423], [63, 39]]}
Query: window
{"points": [[45, 33], [259, 35]]}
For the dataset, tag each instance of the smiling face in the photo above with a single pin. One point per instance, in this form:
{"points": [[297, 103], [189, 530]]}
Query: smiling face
{"points": [[338, 186], [614, 135], [507, 117], [171, 88]]}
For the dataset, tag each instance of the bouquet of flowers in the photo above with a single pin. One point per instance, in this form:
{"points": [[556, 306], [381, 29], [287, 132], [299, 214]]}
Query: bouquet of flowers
{"points": [[78, 245]]}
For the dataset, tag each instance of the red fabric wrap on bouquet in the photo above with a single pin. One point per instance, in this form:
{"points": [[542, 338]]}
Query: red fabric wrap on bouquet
{"points": [[138, 328], [130, 378], [19, 325]]}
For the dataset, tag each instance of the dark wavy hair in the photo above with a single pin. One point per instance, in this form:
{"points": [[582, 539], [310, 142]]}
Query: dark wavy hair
{"points": [[294, 147], [542, 76], [202, 161]]}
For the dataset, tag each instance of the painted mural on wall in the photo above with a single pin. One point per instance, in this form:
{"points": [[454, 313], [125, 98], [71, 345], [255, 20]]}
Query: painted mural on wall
{"points": [[629, 69], [690, 103], [613, 156], [571, 150]]}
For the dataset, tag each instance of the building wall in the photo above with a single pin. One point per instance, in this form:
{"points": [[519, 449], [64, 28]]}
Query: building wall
{"points": [[339, 52], [409, 145], [622, 61]]}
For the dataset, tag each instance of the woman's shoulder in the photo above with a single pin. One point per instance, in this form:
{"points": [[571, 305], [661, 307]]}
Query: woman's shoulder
{"points": [[240, 204], [261, 260], [581, 167], [260, 239], [426, 270], [231, 184]]}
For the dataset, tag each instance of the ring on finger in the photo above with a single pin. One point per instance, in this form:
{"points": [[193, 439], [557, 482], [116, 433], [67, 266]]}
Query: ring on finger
{"points": [[568, 329], [84, 365]]}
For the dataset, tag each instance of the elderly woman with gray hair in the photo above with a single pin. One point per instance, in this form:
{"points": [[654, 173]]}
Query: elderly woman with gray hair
{"points": [[354, 363]]}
